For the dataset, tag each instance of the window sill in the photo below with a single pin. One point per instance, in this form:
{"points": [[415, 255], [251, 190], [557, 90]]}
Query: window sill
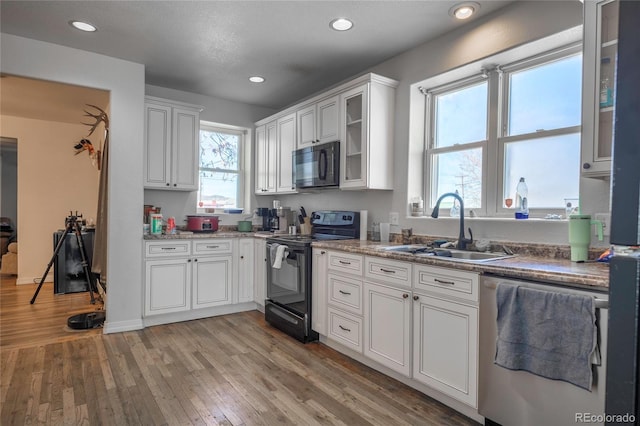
{"points": [[503, 219]]}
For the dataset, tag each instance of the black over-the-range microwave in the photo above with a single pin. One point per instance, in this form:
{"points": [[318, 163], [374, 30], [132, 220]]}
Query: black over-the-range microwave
{"points": [[317, 166]]}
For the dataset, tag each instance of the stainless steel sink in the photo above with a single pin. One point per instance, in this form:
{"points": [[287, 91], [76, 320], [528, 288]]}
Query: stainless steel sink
{"points": [[447, 254], [473, 256], [408, 248]]}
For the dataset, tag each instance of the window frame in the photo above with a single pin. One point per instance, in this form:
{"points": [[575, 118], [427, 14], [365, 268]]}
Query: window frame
{"points": [[430, 134], [493, 148], [242, 134], [502, 138]]}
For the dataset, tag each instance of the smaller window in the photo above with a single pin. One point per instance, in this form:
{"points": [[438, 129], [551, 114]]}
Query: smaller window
{"points": [[459, 114], [220, 170]]}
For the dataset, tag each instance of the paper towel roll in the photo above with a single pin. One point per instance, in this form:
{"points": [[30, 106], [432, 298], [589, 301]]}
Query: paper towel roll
{"points": [[363, 225]]}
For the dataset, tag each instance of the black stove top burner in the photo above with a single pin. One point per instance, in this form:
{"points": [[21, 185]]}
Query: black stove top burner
{"points": [[325, 225]]}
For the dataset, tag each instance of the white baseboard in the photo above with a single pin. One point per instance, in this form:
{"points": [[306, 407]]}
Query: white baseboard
{"points": [[120, 326], [34, 280]]}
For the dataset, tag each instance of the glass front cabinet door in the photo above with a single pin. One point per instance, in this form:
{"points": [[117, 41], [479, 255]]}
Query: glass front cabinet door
{"points": [[599, 85]]}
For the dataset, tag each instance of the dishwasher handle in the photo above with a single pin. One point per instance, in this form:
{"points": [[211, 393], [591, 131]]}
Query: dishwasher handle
{"points": [[600, 303]]}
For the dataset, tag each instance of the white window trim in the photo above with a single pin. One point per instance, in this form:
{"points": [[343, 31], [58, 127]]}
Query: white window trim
{"points": [[502, 138], [497, 113], [430, 151], [244, 153]]}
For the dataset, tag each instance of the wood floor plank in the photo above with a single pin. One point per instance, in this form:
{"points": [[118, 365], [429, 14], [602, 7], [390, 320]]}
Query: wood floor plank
{"points": [[231, 370]]}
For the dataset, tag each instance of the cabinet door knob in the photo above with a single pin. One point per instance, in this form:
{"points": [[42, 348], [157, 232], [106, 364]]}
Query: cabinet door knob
{"points": [[175, 184], [241, 257], [322, 252], [405, 296], [168, 184], [586, 166], [188, 260], [416, 297], [195, 260]]}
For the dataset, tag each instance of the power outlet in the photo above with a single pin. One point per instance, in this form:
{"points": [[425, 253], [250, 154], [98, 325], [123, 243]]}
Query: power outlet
{"points": [[605, 218], [394, 218]]}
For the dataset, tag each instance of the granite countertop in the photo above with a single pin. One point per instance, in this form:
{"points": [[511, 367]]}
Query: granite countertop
{"points": [[592, 275], [181, 235]]}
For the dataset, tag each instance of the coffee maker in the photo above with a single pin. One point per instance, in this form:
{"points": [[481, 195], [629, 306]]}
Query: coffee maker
{"points": [[265, 214], [274, 220], [283, 214]]}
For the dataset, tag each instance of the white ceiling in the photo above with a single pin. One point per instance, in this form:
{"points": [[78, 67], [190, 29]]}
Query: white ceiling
{"points": [[212, 47]]}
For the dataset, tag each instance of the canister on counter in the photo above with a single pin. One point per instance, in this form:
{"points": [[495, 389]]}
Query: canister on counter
{"points": [[171, 225], [156, 223]]}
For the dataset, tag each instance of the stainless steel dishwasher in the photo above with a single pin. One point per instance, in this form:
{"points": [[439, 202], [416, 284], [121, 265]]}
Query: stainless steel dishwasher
{"points": [[520, 398]]}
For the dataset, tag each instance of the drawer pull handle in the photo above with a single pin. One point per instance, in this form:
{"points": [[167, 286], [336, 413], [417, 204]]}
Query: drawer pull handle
{"points": [[344, 328], [168, 248], [444, 282], [344, 263], [388, 271], [213, 246], [345, 292]]}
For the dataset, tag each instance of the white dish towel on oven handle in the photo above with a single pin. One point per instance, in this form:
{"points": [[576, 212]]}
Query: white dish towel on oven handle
{"points": [[278, 253]]}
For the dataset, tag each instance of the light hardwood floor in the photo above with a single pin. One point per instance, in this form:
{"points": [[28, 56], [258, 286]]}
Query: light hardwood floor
{"points": [[229, 370]]}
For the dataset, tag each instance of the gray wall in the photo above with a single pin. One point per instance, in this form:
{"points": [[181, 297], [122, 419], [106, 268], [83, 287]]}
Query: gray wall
{"points": [[125, 81], [509, 27]]}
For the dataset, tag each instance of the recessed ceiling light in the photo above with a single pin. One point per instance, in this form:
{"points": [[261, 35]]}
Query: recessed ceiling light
{"points": [[83, 26], [256, 79], [341, 24], [464, 10]]}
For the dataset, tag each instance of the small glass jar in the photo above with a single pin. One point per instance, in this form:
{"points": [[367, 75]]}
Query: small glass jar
{"points": [[375, 231]]}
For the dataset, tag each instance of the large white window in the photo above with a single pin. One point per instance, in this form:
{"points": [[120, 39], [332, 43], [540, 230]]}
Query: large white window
{"points": [[221, 167], [522, 119]]}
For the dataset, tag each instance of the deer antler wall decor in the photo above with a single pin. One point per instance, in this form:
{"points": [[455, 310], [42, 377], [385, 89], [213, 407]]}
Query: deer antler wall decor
{"points": [[85, 144]]}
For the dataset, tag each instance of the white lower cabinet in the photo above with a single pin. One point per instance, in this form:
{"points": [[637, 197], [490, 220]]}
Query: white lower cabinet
{"points": [[345, 328], [212, 279], [245, 270], [387, 322], [260, 271], [418, 320], [196, 277], [445, 342], [319, 291], [167, 286]]}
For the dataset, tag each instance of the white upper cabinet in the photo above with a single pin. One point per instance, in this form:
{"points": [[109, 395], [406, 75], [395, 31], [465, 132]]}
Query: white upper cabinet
{"points": [[318, 122], [171, 145], [275, 142], [286, 135], [600, 46], [359, 113], [266, 158], [367, 135]]}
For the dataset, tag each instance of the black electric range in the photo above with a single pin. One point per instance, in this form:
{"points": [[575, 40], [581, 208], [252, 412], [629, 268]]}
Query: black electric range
{"points": [[288, 304]]}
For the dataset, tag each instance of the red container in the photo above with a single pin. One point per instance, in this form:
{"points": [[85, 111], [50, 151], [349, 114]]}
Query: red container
{"points": [[202, 223]]}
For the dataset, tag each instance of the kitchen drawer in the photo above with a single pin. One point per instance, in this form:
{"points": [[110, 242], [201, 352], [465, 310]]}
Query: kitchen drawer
{"points": [[345, 328], [388, 271], [167, 248], [446, 282], [345, 262], [345, 293], [212, 246]]}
